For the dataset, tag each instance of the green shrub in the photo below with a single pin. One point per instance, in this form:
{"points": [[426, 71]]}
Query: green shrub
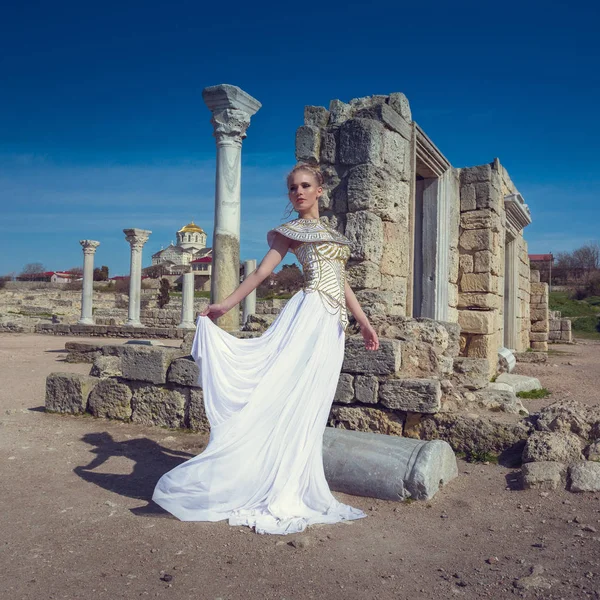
{"points": [[534, 394]]}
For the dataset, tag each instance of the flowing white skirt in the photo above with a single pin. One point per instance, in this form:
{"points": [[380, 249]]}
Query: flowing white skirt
{"points": [[267, 400]]}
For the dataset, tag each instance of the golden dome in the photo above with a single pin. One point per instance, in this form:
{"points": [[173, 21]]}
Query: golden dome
{"points": [[191, 228]]}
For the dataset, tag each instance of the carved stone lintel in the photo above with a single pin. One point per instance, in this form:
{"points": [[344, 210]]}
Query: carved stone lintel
{"points": [[89, 246], [230, 126]]}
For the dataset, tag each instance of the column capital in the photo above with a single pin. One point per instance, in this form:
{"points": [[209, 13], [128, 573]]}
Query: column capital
{"points": [[231, 108], [89, 246], [137, 237]]}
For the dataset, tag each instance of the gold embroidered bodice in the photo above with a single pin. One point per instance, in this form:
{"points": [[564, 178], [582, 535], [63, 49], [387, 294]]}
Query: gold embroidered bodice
{"points": [[323, 253]]}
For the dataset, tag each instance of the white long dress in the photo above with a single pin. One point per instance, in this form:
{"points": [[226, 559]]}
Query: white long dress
{"points": [[267, 400]]}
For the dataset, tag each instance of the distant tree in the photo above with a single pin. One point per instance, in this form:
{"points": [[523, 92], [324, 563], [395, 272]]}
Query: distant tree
{"points": [[289, 279], [579, 266], [163, 293], [156, 271], [77, 272], [101, 274], [266, 287], [34, 268]]}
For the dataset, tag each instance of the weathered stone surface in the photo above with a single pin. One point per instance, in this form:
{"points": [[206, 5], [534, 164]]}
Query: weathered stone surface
{"points": [[481, 219], [414, 395], [520, 383], [539, 346], [475, 174], [386, 361], [477, 239], [399, 102], [535, 276], [361, 141], [592, 452], [195, 413], [544, 475], [560, 447], [568, 416], [328, 149], [467, 198], [362, 418], [154, 405], [184, 371], [377, 302], [389, 117], [540, 326], [465, 263], [472, 432], [344, 393], [68, 392], [111, 399], [471, 373], [584, 477], [366, 389], [316, 116], [395, 255], [538, 314], [371, 188], [308, 144], [106, 366], [339, 112], [478, 321], [483, 300], [396, 155], [364, 274], [151, 364], [487, 262], [500, 401], [365, 231], [478, 283], [186, 344]]}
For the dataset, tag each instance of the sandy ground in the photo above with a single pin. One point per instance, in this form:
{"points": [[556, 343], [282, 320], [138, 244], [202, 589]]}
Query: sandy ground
{"points": [[75, 520]]}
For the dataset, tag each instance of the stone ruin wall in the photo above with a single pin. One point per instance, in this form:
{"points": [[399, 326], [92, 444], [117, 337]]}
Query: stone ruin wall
{"points": [[559, 329], [539, 313], [364, 151]]}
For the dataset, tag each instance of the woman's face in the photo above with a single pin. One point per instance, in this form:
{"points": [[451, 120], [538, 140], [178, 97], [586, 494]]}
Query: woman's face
{"points": [[304, 191]]}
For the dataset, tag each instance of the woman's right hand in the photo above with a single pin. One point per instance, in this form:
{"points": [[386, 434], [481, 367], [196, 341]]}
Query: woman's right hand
{"points": [[214, 311]]}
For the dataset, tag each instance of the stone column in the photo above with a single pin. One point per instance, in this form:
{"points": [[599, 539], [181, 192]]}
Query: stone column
{"points": [[187, 301], [231, 110], [249, 304], [136, 238], [89, 249]]}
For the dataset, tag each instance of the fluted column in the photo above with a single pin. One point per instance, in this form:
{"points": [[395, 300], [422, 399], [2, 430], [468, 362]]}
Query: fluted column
{"points": [[231, 110], [249, 303], [187, 301], [87, 291], [136, 238]]}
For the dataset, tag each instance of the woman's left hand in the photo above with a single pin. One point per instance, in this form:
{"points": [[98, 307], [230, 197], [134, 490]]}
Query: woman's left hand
{"points": [[370, 337]]}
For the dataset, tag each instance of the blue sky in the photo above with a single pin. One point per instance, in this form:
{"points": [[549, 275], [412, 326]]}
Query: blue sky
{"points": [[103, 127]]}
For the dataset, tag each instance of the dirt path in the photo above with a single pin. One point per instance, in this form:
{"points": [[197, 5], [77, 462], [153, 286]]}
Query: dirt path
{"points": [[74, 522]]}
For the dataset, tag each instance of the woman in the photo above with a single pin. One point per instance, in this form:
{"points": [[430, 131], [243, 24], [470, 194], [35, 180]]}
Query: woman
{"points": [[268, 399]]}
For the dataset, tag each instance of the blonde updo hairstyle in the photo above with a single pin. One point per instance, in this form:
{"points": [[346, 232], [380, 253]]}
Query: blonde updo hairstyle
{"points": [[307, 168]]}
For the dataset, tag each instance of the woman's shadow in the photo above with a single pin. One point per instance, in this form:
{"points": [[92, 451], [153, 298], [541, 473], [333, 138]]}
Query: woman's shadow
{"points": [[150, 462]]}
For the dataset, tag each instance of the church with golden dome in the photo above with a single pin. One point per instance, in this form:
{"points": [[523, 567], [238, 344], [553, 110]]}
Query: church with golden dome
{"points": [[190, 250]]}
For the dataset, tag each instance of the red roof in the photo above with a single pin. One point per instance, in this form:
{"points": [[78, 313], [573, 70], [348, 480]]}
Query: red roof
{"points": [[541, 257], [204, 259]]}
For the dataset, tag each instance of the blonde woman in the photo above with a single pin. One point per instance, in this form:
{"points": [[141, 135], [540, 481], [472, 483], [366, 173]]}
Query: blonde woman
{"points": [[268, 398]]}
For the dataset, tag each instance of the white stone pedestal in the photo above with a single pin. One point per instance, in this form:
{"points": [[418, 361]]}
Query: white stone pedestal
{"points": [[87, 292], [231, 108], [136, 238]]}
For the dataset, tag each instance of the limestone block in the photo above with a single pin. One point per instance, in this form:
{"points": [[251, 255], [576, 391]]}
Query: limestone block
{"points": [[328, 148], [466, 263], [500, 401], [414, 395], [366, 389], [566, 336], [565, 324], [487, 196], [362, 418], [396, 155], [399, 102], [110, 399], [378, 302], [535, 276], [467, 198], [381, 466], [478, 283], [543, 475], [453, 263], [364, 274], [479, 300], [106, 366], [486, 261], [539, 346], [554, 325], [539, 327], [478, 321], [316, 116], [520, 383], [584, 477], [476, 239], [592, 452], [344, 393], [68, 392], [361, 141], [184, 371], [540, 288], [389, 117], [339, 112], [386, 361], [143, 363], [195, 413], [365, 230], [538, 314], [568, 416], [561, 447], [395, 255], [453, 298], [538, 337], [472, 373], [154, 405], [475, 174], [481, 219], [308, 144], [371, 188]]}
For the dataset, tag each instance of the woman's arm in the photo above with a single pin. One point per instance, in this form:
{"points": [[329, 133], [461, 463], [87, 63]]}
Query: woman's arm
{"points": [[367, 331], [272, 258]]}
